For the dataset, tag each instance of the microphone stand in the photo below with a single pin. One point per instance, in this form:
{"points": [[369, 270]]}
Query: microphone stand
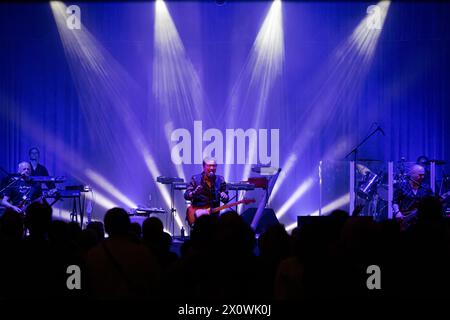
{"points": [[9, 185], [354, 151], [4, 171]]}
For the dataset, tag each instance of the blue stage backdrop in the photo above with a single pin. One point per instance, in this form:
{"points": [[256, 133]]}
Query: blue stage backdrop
{"points": [[117, 94]]}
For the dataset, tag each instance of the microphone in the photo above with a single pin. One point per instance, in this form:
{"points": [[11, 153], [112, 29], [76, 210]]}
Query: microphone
{"points": [[381, 130], [211, 174]]}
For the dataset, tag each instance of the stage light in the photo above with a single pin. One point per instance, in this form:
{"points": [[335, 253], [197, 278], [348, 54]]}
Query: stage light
{"points": [[168, 129], [61, 214], [176, 85], [100, 79], [266, 65], [103, 201], [298, 193], [72, 162], [106, 185], [262, 68], [339, 83], [284, 173], [345, 199], [366, 35]]}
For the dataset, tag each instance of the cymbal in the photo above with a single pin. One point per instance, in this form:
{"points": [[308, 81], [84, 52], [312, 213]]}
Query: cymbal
{"points": [[436, 162], [362, 169]]}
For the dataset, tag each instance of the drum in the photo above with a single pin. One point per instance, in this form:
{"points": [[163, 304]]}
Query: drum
{"points": [[367, 187]]}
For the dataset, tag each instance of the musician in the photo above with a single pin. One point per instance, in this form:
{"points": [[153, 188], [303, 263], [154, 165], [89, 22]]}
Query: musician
{"points": [[207, 189], [21, 190], [38, 169], [408, 193]]}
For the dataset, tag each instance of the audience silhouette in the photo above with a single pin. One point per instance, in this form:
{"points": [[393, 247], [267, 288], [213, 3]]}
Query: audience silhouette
{"points": [[222, 260]]}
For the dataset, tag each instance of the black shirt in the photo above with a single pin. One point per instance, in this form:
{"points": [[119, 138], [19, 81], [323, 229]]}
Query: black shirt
{"points": [[42, 171], [406, 198], [209, 196], [23, 192]]}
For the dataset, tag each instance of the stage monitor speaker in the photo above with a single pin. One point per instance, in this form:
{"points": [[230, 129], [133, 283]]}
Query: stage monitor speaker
{"points": [[268, 218]]}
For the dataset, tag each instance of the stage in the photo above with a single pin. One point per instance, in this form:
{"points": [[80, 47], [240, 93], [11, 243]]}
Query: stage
{"points": [[224, 151]]}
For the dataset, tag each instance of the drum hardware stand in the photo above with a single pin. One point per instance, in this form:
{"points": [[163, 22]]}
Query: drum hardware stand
{"points": [[354, 151], [175, 184]]}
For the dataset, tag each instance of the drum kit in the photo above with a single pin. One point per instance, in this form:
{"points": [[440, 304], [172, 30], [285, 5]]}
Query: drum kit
{"points": [[372, 187]]}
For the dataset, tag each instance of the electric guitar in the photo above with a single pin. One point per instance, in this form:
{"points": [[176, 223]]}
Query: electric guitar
{"points": [[192, 212], [26, 201], [409, 216]]}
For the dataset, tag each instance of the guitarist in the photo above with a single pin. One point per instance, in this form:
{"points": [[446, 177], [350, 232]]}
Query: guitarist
{"points": [[207, 189], [410, 192], [22, 191]]}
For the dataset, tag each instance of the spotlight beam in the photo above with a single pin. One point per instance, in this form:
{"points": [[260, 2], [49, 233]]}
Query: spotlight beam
{"points": [[344, 73], [93, 67], [299, 192], [105, 184], [341, 201], [266, 65]]}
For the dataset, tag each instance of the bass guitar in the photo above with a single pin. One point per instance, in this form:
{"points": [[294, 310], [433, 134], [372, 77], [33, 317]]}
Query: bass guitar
{"points": [[409, 216]]}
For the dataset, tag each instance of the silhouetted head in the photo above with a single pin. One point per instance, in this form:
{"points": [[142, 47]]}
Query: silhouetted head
{"points": [[11, 225], [117, 222], [202, 234], [339, 214], [234, 235], [152, 228], [38, 217]]}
